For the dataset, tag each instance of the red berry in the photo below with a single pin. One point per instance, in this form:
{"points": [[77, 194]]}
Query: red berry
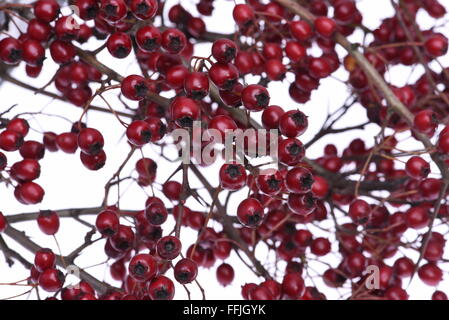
{"points": [[224, 76], [119, 45], [173, 40], [44, 259], [144, 9], [185, 271], [196, 85], [293, 123], [290, 151], [417, 168], [299, 180], [430, 274], [302, 204], [436, 45], [184, 111], [300, 30], [161, 288], [225, 274], [255, 97], [107, 223], [3, 222], [326, 27], [359, 211], [293, 285], [67, 142], [243, 15], [168, 247], [139, 133], [90, 141], [46, 10], [224, 50], [232, 176], [48, 222], [250, 213], [10, 140], [148, 38], [10, 50], [134, 87], [51, 280], [320, 246]]}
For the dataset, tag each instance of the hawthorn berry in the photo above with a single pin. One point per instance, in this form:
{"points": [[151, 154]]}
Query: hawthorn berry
{"points": [[250, 213]]}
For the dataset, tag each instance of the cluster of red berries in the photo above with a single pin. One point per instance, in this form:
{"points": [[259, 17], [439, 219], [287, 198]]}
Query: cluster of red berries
{"points": [[271, 43]]}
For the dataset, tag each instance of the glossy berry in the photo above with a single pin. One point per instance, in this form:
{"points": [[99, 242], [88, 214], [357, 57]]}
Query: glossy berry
{"points": [[255, 97], [10, 50], [144, 9], [168, 247], [161, 288], [51, 280], [359, 211], [33, 53], [90, 141], [185, 271], [66, 28], [44, 259], [88, 9], [291, 151], [3, 222], [250, 213], [430, 274], [436, 45], [142, 267], [320, 246], [62, 52], [107, 223], [196, 85], [299, 180], [48, 222], [157, 127], [113, 10], [301, 30], [293, 285], [46, 10], [243, 15], [134, 87], [270, 182], [173, 40], [148, 38], [232, 176], [25, 170], [224, 75], [156, 214], [29, 193], [302, 204], [184, 111], [425, 121], [93, 162], [119, 45], [224, 50], [10, 140], [325, 27], [67, 142], [123, 239], [293, 123], [417, 168], [172, 190], [225, 274], [417, 217], [139, 133]]}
